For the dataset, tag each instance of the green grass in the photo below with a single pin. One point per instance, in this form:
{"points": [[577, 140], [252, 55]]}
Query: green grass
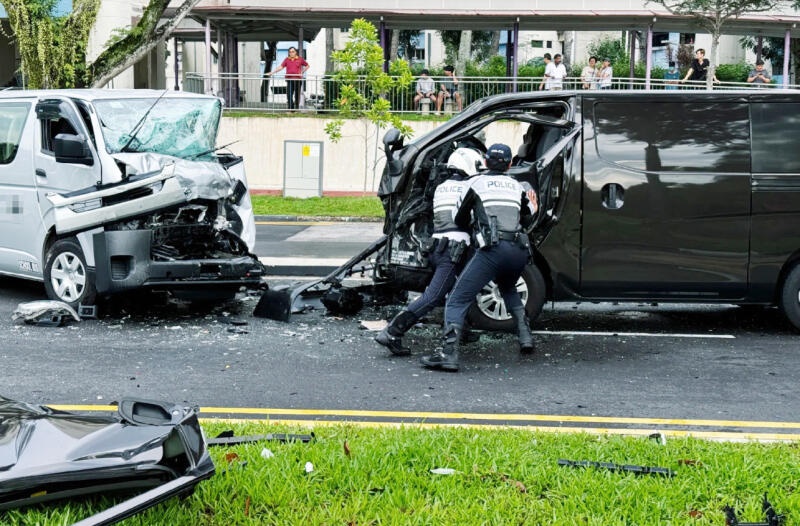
{"points": [[368, 206], [502, 477]]}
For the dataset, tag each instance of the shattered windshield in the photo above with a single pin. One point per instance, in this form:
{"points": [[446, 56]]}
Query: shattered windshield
{"points": [[180, 127]]}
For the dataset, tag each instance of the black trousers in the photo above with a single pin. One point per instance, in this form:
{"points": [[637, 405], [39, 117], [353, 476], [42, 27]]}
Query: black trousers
{"points": [[502, 263], [293, 89], [444, 276]]}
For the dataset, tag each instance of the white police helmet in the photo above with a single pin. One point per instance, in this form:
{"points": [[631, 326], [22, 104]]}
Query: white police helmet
{"points": [[467, 160]]}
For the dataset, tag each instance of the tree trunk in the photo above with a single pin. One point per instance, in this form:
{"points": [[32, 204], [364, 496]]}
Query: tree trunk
{"points": [[328, 51], [126, 52], [569, 43], [713, 59], [464, 50], [394, 47], [495, 43]]}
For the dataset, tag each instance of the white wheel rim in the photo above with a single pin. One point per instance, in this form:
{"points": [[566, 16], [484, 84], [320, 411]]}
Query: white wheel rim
{"points": [[68, 277], [491, 304]]}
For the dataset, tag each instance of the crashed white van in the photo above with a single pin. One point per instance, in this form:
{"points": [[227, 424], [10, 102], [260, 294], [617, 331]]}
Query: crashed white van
{"points": [[103, 191]]}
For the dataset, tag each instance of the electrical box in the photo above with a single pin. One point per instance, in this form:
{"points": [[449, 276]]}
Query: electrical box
{"points": [[302, 168]]}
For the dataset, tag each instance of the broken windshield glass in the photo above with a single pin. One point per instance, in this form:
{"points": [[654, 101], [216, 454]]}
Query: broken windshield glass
{"points": [[179, 127]]}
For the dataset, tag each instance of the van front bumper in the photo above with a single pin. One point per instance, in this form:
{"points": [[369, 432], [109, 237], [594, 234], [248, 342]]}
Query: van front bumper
{"points": [[123, 262]]}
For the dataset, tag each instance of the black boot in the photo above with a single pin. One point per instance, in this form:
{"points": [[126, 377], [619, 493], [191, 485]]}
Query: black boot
{"points": [[446, 358], [391, 336], [523, 330]]}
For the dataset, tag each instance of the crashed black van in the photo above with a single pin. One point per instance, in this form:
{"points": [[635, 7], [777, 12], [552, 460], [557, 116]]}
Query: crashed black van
{"points": [[672, 196]]}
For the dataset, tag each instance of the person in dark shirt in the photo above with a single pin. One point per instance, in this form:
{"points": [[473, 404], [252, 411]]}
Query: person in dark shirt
{"points": [[698, 71]]}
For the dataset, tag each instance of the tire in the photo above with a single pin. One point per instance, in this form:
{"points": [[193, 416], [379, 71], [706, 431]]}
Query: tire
{"points": [[489, 311], [790, 296], [66, 276]]}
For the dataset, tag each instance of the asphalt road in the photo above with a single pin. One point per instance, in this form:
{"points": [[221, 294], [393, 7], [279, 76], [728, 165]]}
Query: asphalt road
{"points": [[638, 368]]}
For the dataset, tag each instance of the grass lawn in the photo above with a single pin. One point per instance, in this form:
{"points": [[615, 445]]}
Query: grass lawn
{"points": [[377, 476], [318, 206]]}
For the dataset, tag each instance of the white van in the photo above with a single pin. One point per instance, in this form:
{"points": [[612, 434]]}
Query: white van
{"points": [[103, 191]]}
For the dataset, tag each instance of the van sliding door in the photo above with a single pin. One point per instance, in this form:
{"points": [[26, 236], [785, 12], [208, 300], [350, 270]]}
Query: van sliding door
{"points": [[666, 198]]}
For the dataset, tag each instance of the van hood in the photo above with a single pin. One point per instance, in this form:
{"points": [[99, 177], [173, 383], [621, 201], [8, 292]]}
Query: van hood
{"points": [[199, 179]]}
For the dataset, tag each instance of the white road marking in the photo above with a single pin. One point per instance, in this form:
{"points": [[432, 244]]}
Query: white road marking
{"points": [[639, 334]]}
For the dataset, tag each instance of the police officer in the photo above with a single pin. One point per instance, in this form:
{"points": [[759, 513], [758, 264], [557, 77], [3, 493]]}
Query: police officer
{"points": [[494, 204], [446, 252]]}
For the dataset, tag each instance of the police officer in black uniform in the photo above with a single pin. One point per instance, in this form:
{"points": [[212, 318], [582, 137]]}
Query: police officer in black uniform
{"points": [[494, 205], [447, 251]]}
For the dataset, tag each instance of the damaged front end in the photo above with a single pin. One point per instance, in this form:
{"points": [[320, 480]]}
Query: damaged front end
{"points": [[181, 225], [47, 455], [205, 240]]}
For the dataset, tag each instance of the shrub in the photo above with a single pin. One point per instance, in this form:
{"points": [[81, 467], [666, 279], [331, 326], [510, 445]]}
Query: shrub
{"points": [[733, 72]]}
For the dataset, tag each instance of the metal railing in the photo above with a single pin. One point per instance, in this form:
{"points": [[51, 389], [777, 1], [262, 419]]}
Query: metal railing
{"points": [[245, 91]]}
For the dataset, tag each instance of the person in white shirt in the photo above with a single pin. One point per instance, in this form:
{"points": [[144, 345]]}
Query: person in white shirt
{"points": [[606, 75], [589, 74], [555, 74], [548, 60], [426, 87]]}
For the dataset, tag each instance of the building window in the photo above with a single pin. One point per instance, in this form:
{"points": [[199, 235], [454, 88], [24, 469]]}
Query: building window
{"points": [[549, 44], [537, 43]]}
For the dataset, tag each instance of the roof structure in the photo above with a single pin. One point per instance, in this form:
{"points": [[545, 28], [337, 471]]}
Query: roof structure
{"points": [[257, 20]]}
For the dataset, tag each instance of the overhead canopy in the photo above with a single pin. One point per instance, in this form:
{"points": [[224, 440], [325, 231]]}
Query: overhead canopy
{"points": [[258, 20]]}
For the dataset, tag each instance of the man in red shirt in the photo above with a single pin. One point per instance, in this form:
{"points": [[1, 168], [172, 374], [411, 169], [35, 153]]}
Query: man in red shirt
{"points": [[295, 67]]}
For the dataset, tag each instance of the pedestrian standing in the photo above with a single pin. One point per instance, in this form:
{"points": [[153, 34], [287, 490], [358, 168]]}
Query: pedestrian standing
{"points": [[295, 67], [495, 206]]}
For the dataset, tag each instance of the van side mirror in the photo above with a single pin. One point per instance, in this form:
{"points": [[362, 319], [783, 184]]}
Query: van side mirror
{"points": [[392, 141], [72, 149]]}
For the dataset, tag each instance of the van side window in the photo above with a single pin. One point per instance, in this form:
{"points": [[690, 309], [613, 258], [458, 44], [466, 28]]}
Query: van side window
{"points": [[664, 136], [776, 148], [51, 128], [12, 121]]}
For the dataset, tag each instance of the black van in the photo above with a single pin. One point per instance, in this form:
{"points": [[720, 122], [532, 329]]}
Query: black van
{"points": [[673, 196]]}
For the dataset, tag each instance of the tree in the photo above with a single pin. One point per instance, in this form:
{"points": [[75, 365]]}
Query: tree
{"points": [[138, 42], [53, 48], [711, 15], [363, 86]]}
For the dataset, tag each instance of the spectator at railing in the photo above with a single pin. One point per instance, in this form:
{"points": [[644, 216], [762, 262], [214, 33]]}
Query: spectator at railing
{"points": [[295, 67], [548, 59], [448, 89], [698, 71], [426, 88], [554, 74], [589, 74], [672, 76], [759, 75], [606, 75]]}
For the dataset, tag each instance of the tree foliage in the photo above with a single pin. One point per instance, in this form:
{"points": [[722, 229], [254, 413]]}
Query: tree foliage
{"points": [[52, 48], [711, 16], [363, 85]]}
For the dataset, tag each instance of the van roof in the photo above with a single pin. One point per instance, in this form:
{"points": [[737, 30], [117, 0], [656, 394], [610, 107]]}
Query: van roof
{"points": [[99, 94]]}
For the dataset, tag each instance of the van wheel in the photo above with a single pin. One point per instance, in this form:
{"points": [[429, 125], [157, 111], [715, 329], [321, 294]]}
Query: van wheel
{"points": [[489, 310], [790, 296], [66, 277]]}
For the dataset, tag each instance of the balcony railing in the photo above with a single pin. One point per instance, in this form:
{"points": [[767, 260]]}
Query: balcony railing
{"points": [[252, 92]]}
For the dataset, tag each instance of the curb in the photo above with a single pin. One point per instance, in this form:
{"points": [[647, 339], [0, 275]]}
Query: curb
{"points": [[346, 219]]}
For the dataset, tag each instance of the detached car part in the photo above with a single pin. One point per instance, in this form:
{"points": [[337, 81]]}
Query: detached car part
{"points": [[46, 455]]}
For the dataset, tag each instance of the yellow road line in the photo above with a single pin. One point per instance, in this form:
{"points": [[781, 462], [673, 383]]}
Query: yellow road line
{"points": [[469, 416]]}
